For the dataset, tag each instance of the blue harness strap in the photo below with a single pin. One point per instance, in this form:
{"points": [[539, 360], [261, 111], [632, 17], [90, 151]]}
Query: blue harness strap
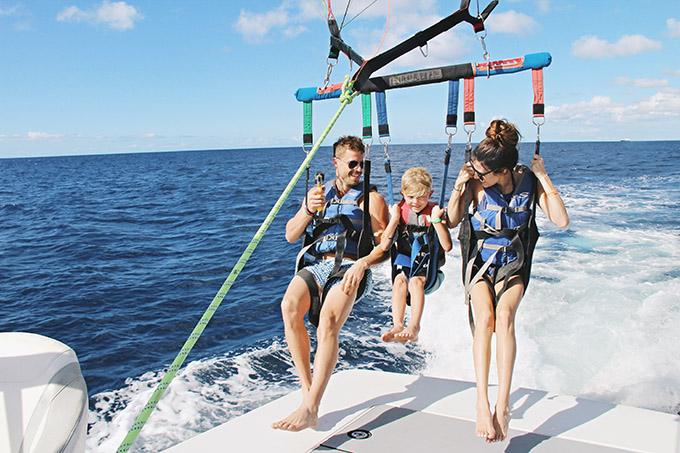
{"points": [[417, 248], [384, 137], [452, 111], [381, 107]]}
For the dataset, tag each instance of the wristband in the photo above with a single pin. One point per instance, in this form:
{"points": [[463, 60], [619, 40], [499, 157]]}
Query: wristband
{"points": [[307, 213], [457, 189], [431, 220], [554, 192]]}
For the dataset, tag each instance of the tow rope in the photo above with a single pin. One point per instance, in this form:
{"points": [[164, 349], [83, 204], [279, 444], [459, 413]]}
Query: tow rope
{"points": [[346, 98]]}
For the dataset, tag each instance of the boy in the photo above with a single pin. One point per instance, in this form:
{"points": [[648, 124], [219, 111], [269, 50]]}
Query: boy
{"points": [[411, 218]]}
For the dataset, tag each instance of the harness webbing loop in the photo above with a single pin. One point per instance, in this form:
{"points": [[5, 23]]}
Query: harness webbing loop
{"points": [[385, 139], [367, 131], [383, 124], [451, 121], [469, 103], [307, 135], [539, 106], [346, 98], [452, 111]]}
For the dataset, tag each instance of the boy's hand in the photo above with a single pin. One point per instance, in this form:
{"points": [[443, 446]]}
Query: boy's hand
{"points": [[437, 212]]}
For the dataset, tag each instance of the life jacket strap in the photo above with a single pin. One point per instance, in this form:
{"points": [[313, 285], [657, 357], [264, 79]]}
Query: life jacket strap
{"points": [[471, 281]]}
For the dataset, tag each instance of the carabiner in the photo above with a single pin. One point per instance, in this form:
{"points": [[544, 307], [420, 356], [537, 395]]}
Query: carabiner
{"points": [[485, 54], [427, 50], [327, 79]]}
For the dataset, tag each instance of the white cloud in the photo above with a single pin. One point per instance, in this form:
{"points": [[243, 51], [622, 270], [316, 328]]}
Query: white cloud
{"points": [[406, 19], [42, 136], [23, 18], [286, 21], [256, 26], [664, 104], [593, 47], [116, 15], [8, 11], [543, 5], [673, 27], [512, 22], [640, 83], [290, 18]]}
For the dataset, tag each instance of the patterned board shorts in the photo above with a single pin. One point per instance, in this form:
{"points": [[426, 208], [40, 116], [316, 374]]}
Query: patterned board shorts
{"points": [[322, 270]]}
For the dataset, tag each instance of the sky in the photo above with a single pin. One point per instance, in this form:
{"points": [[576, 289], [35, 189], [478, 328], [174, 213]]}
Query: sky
{"points": [[90, 77]]}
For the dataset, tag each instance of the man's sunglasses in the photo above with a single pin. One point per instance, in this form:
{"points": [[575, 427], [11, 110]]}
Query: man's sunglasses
{"points": [[353, 163], [479, 173]]}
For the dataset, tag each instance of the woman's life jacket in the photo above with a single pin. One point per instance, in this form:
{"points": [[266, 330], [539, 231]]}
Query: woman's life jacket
{"points": [[499, 217], [498, 239]]}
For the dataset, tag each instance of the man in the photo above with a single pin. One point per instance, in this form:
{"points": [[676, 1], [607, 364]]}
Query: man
{"points": [[342, 197]]}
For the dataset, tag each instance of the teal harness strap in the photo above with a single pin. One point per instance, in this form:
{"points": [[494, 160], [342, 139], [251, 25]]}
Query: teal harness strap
{"points": [[367, 131], [346, 98], [307, 137]]}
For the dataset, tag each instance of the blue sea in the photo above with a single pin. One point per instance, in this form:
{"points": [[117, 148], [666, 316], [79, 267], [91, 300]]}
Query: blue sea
{"points": [[118, 256]]}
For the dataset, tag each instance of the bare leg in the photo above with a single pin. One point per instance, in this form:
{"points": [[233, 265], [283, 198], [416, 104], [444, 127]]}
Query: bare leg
{"points": [[294, 305], [399, 293], [334, 313], [416, 287], [482, 304], [506, 350]]}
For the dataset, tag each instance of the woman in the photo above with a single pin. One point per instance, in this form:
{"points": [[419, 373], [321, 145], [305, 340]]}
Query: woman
{"points": [[497, 242]]}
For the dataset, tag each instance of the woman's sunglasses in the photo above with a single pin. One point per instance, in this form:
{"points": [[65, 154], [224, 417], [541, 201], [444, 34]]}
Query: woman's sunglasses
{"points": [[479, 173], [352, 163]]}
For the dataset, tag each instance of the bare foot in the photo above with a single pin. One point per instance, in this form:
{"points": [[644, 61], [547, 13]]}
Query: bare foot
{"points": [[301, 419], [484, 427], [409, 334], [392, 334], [501, 422]]}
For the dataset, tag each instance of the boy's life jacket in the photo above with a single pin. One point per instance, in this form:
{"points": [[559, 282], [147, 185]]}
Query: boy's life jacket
{"points": [[415, 245], [500, 235], [337, 228]]}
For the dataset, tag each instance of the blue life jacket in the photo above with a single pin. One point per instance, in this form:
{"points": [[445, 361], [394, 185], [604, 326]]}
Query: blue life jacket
{"points": [[331, 217], [497, 241], [500, 217], [336, 228], [417, 247]]}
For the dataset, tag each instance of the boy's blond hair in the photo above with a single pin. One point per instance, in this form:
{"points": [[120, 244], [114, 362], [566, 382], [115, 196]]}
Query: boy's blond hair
{"points": [[416, 182]]}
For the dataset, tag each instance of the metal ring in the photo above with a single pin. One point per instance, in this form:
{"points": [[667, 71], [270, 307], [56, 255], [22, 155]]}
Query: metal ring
{"points": [[533, 120]]}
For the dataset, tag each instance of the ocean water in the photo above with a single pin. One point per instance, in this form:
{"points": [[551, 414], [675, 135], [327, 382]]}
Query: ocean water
{"points": [[118, 256]]}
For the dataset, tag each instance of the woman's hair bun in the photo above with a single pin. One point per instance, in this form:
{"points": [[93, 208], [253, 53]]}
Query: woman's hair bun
{"points": [[503, 133]]}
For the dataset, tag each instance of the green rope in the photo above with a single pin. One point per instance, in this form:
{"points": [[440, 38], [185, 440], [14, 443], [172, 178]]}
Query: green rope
{"points": [[346, 98]]}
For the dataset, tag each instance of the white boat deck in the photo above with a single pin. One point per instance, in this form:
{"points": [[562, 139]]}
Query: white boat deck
{"points": [[371, 412]]}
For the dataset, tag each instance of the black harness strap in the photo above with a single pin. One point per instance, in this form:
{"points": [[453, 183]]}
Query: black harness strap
{"points": [[314, 299], [419, 40], [364, 240]]}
